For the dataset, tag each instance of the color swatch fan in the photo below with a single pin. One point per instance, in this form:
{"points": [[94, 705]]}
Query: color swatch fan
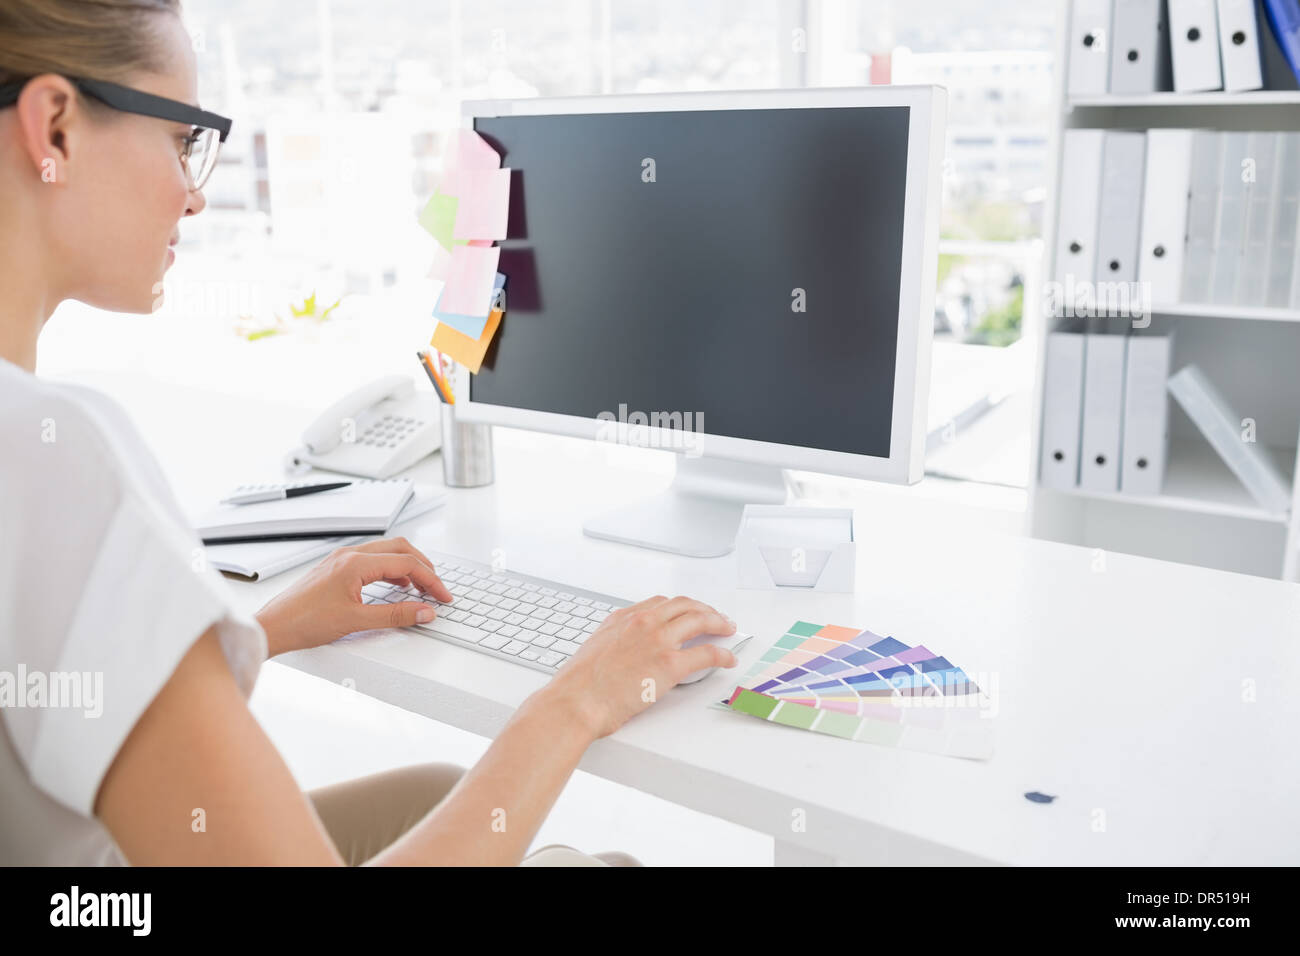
{"points": [[851, 683]]}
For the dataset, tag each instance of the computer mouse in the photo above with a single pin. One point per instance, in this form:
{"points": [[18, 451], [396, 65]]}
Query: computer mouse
{"points": [[732, 642]]}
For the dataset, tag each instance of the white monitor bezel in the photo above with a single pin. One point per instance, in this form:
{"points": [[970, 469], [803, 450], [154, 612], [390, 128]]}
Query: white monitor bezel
{"points": [[927, 120]]}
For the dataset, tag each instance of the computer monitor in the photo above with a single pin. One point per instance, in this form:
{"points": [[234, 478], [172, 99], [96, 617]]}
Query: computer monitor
{"points": [[746, 278]]}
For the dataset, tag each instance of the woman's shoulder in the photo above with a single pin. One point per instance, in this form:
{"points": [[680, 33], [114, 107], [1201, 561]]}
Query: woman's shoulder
{"points": [[57, 428]]}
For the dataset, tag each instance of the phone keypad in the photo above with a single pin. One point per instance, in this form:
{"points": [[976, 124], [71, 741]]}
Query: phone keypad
{"points": [[389, 431]]}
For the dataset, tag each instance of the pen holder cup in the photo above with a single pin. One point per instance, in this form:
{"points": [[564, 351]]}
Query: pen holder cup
{"points": [[466, 451]]}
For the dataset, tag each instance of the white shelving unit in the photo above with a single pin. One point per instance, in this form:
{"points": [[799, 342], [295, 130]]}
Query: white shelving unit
{"points": [[1203, 514]]}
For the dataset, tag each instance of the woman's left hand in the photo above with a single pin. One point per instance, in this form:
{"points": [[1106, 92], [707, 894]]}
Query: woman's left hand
{"points": [[326, 603]]}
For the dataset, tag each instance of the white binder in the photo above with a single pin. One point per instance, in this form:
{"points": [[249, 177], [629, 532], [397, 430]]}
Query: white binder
{"points": [[1221, 427], [1238, 166], [1194, 45], [1284, 254], [1261, 209], [1164, 213], [1139, 57], [1146, 415], [1121, 201], [1089, 54], [1079, 191], [1103, 412], [1202, 215], [1283, 247], [1239, 45], [1062, 408]]}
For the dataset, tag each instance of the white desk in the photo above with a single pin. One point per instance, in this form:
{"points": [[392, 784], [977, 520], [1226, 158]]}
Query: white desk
{"points": [[1125, 692]]}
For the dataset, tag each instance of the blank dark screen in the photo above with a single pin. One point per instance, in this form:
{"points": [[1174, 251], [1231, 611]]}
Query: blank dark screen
{"points": [[679, 294]]}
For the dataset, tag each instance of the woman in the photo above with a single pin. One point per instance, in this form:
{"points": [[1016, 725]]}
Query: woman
{"points": [[102, 154]]}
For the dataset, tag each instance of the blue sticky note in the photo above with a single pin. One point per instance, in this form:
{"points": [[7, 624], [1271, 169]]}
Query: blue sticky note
{"points": [[471, 325]]}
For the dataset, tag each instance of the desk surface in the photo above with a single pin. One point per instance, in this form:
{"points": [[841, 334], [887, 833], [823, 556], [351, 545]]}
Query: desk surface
{"points": [[1155, 700]]}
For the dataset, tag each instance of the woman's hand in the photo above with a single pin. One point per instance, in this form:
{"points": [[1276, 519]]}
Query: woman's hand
{"points": [[326, 604], [634, 657]]}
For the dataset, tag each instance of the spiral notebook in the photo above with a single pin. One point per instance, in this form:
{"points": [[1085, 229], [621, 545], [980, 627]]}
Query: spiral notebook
{"points": [[363, 507]]}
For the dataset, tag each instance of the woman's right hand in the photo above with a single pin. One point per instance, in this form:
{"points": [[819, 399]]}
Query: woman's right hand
{"points": [[635, 656]]}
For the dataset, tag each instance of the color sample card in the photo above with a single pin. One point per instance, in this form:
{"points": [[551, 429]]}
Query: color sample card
{"points": [[854, 684], [463, 349]]}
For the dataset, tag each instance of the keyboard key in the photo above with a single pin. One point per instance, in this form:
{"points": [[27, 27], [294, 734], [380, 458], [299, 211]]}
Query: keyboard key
{"points": [[549, 592], [580, 612], [530, 586], [470, 635], [549, 628], [531, 623], [514, 618], [547, 602], [494, 642], [598, 616], [490, 626], [565, 606], [543, 640], [602, 606], [506, 604], [474, 594], [480, 573], [508, 630], [568, 633], [514, 582], [550, 659], [474, 620], [493, 600], [568, 647], [565, 596], [481, 608], [529, 655], [514, 647], [582, 600], [496, 614], [498, 589], [458, 615], [540, 613], [590, 627]]}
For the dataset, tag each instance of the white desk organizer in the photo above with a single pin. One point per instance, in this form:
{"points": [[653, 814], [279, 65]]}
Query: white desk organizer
{"points": [[784, 546]]}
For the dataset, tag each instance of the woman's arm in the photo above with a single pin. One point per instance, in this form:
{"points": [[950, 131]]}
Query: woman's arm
{"points": [[198, 782]]}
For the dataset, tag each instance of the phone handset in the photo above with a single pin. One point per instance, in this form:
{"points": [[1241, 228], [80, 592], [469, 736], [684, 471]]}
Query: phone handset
{"points": [[326, 432]]}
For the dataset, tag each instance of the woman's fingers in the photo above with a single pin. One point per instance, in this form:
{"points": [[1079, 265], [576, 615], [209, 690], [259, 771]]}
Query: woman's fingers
{"points": [[386, 566], [399, 546], [404, 614]]}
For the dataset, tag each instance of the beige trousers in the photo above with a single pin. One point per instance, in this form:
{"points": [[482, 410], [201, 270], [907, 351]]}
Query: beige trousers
{"points": [[364, 815]]}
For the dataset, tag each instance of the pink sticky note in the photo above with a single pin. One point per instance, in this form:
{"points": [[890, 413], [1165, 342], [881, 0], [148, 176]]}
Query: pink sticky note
{"points": [[474, 152], [441, 262], [469, 280], [483, 204]]}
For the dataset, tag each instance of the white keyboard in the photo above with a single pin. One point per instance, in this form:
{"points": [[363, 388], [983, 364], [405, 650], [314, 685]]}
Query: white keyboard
{"points": [[520, 618]]}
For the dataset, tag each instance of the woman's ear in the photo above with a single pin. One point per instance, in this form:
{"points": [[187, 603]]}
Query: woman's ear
{"points": [[48, 111]]}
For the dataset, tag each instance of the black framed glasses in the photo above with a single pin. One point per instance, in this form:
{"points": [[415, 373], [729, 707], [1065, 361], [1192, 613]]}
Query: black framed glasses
{"points": [[208, 132]]}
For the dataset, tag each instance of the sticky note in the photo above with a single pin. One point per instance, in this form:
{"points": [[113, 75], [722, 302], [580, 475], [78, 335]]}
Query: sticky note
{"points": [[463, 349], [468, 324], [470, 277], [440, 264], [474, 152], [439, 217], [483, 203]]}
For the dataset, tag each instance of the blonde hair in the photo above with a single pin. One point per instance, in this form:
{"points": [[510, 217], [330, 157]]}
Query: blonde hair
{"points": [[96, 39]]}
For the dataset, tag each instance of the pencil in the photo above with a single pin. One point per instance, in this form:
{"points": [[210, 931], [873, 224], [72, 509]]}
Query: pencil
{"points": [[433, 377]]}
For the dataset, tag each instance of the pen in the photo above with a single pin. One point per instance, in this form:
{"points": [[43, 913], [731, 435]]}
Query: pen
{"points": [[445, 364], [438, 385], [276, 494]]}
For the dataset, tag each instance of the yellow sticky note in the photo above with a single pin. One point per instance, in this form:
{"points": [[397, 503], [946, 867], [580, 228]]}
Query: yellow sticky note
{"points": [[468, 352]]}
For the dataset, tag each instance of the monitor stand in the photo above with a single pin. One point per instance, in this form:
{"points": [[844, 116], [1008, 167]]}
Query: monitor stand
{"points": [[699, 513]]}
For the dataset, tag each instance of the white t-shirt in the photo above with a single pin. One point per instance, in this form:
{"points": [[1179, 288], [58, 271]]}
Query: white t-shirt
{"points": [[102, 591]]}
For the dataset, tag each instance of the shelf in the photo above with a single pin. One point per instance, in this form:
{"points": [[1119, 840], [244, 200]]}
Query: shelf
{"points": [[1219, 311], [1196, 479], [1175, 100]]}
